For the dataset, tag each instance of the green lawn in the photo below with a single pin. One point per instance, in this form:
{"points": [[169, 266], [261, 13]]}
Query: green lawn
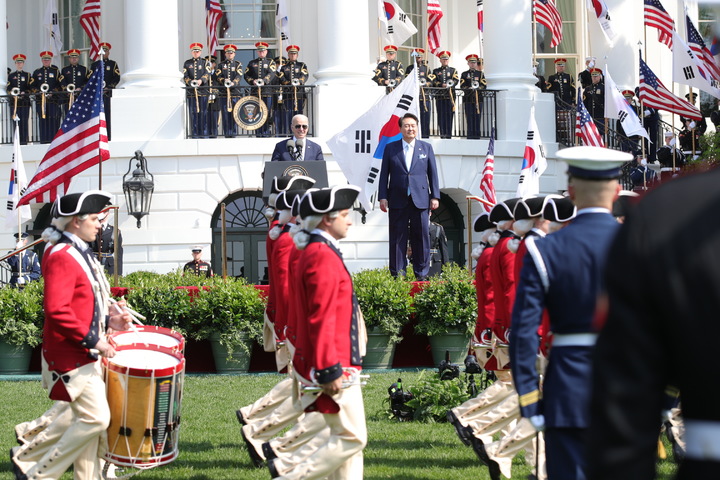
{"points": [[211, 446]]}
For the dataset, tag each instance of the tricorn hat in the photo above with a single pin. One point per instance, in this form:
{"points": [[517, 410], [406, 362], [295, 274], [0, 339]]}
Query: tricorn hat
{"points": [[287, 182], [503, 210], [92, 201], [558, 209], [327, 200], [482, 222], [529, 207]]}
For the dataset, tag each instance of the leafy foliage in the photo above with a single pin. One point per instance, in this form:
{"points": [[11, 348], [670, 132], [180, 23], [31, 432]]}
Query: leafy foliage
{"points": [[432, 397], [710, 156], [385, 301], [447, 303], [21, 314]]}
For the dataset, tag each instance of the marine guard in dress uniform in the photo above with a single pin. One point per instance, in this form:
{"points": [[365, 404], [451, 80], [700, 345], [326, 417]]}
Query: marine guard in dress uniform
{"points": [[471, 81], [594, 99], [446, 79], [229, 74], [292, 76], [73, 74], [562, 84], [261, 71], [112, 78], [390, 72], [562, 273], [76, 307], [196, 75], [197, 265], [45, 83], [18, 87], [25, 266], [104, 246], [330, 342], [426, 78]]}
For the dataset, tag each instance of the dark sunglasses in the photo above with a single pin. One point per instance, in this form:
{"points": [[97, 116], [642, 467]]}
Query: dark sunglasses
{"points": [[304, 127]]}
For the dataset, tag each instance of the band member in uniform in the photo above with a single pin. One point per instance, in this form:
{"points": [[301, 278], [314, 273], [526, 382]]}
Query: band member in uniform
{"points": [[585, 77], [562, 85], [261, 71], [44, 82], [19, 81], [670, 237], [197, 265], [471, 81], [446, 79], [104, 246], [214, 101], [594, 99], [112, 78], [408, 189], [196, 74], [77, 312], [24, 266], [292, 76], [297, 148], [331, 341], [425, 77], [390, 72], [73, 74], [229, 74], [562, 273]]}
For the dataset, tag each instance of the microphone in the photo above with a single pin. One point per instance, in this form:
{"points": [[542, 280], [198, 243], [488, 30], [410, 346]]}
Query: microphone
{"points": [[291, 148], [299, 147]]}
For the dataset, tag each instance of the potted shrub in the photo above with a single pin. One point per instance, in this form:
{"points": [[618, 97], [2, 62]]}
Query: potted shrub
{"points": [[386, 305], [446, 311], [21, 321], [230, 315]]}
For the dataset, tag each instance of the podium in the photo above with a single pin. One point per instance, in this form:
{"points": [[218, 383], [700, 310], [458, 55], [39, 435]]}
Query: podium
{"points": [[314, 169]]}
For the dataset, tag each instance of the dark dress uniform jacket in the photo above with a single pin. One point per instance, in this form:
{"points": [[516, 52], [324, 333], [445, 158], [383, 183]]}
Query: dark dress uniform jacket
{"points": [[260, 68], [563, 86], [466, 80], [196, 69], [658, 333], [20, 80], [76, 75], [594, 100], [571, 265]]}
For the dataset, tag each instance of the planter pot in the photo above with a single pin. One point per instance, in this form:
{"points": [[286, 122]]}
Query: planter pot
{"points": [[380, 350], [14, 359], [455, 342], [238, 362]]}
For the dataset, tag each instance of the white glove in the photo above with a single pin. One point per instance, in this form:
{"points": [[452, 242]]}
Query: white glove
{"points": [[21, 281], [693, 124], [538, 421], [647, 112], [643, 161], [672, 142], [19, 244]]}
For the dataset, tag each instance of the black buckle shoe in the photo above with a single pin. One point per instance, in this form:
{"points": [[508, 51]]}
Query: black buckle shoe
{"points": [[254, 455], [19, 475], [479, 449], [240, 418], [459, 428], [273, 471], [268, 452]]}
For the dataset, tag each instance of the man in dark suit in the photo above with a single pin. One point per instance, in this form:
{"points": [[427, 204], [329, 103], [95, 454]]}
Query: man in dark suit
{"points": [[297, 148], [409, 188], [562, 274]]}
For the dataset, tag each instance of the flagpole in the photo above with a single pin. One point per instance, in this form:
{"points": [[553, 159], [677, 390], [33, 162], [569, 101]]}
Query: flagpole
{"points": [[469, 236], [101, 54], [16, 187]]}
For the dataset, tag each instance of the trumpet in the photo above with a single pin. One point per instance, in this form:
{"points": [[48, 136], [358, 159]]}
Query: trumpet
{"points": [[15, 91], [295, 82], [228, 83], [194, 83], [351, 377], [44, 89], [392, 83], [70, 88], [450, 83], [423, 81], [474, 84], [259, 82]]}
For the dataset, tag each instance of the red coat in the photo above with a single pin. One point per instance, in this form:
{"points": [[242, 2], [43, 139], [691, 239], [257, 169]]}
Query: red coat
{"points": [[502, 270], [269, 244], [69, 304], [484, 291], [281, 250], [292, 304], [325, 317]]}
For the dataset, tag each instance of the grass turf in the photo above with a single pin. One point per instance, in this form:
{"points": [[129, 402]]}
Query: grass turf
{"points": [[211, 446]]}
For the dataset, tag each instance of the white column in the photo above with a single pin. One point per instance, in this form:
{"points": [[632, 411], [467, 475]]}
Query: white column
{"points": [[4, 59], [151, 44]]}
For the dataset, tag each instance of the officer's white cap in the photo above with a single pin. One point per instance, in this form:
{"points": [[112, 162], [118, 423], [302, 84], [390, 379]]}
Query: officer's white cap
{"points": [[593, 163]]}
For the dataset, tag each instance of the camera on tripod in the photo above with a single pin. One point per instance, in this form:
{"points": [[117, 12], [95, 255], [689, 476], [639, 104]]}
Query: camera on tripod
{"points": [[471, 365], [398, 400], [448, 370]]}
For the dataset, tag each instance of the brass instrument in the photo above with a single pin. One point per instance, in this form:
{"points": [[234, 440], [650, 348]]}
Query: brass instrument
{"points": [[195, 84], [228, 83], [295, 83], [71, 90], [392, 83], [260, 82], [422, 81], [44, 88], [15, 91], [450, 84], [474, 84]]}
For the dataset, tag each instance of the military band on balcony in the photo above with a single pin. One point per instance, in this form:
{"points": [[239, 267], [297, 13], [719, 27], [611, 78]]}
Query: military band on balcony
{"points": [[45, 83], [196, 74], [390, 72], [262, 71], [18, 87], [426, 78], [112, 78], [291, 76], [471, 82], [446, 79], [73, 78], [229, 74]]}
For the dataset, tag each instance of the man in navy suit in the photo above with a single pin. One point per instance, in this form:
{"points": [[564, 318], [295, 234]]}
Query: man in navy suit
{"points": [[297, 148], [562, 274], [409, 189]]}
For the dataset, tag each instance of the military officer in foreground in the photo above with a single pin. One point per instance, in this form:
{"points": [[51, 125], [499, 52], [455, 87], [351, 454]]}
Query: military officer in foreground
{"points": [[112, 78], [19, 83], [471, 81], [390, 72], [563, 274], [196, 75], [292, 76], [45, 83], [562, 84], [229, 74], [425, 77], [260, 73], [446, 79]]}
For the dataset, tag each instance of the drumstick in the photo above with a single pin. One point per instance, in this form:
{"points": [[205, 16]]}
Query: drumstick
{"points": [[132, 327], [133, 314]]}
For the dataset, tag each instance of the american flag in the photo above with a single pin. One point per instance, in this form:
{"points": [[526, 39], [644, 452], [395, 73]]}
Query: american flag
{"points": [[434, 15], [547, 14], [90, 22], [654, 94], [80, 143], [697, 45], [486, 182], [657, 17], [213, 15], [585, 127]]}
